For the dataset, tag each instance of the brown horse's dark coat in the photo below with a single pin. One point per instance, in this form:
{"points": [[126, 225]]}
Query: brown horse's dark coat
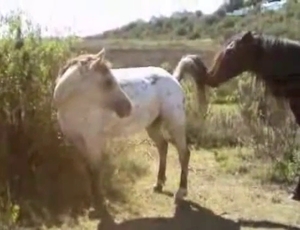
{"points": [[275, 61]]}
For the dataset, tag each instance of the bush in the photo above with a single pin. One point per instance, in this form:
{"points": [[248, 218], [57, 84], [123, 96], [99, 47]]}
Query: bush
{"points": [[244, 114], [41, 178], [28, 137], [218, 128], [272, 128]]}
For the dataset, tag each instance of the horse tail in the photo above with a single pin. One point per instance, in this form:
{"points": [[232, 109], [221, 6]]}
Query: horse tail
{"points": [[193, 65]]}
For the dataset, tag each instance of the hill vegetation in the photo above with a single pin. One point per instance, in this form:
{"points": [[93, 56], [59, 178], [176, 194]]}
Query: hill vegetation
{"points": [[196, 25]]}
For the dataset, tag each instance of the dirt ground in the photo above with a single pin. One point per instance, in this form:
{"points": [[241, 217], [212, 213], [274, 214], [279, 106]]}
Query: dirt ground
{"points": [[216, 201]]}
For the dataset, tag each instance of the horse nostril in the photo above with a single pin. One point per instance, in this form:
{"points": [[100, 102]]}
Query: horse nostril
{"points": [[129, 107], [123, 108]]}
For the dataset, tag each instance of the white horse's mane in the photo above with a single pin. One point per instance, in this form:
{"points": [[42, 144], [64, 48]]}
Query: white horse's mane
{"points": [[83, 60]]}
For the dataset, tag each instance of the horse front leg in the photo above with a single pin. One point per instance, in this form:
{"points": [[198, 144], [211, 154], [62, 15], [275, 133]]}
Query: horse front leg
{"points": [[94, 164], [95, 175]]}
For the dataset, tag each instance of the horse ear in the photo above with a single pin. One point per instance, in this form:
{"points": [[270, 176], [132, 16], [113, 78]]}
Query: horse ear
{"points": [[247, 37], [95, 63], [101, 54]]}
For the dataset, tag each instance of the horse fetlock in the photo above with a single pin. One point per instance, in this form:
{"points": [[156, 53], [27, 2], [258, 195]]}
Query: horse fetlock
{"points": [[294, 197], [162, 180], [158, 188], [180, 194]]}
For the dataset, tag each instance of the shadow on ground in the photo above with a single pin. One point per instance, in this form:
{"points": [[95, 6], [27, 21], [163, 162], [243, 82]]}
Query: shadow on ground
{"points": [[189, 216], [266, 225]]}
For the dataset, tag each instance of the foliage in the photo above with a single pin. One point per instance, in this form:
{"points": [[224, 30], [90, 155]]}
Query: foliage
{"points": [[195, 25], [42, 178], [254, 119], [27, 128]]}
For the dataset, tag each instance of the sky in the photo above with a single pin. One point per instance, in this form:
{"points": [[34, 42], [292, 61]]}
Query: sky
{"points": [[87, 17]]}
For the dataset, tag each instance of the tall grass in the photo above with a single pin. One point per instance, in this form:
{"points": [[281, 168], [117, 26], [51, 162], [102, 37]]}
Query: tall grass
{"points": [[42, 178]]}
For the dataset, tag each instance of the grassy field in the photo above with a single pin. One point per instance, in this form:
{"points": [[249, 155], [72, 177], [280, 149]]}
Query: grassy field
{"points": [[224, 193], [125, 53], [229, 186], [92, 43]]}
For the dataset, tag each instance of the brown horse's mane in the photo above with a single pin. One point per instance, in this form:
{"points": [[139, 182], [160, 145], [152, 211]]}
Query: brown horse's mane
{"points": [[83, 59], [279, 64]]}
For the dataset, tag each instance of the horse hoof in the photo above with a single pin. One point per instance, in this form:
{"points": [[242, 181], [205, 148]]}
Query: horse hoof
{"points": [[93, 215], [104, 225], [158, 188], [294, 197], [180, 194]]}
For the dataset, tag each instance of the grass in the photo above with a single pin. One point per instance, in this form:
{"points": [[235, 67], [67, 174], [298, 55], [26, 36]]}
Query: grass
{"points": [[223, 194], [228, 187]]}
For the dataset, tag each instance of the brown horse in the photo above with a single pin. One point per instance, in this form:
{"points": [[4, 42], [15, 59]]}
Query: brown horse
{"points": [[275, 61]]}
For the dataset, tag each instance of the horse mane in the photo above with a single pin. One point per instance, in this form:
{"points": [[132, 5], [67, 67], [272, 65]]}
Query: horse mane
{"points": [[279, 66], [82, 59], [273, 42]]}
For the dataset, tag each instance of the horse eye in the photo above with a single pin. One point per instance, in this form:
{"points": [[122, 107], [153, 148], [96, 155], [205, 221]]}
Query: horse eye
{"points": [[108, 83]]}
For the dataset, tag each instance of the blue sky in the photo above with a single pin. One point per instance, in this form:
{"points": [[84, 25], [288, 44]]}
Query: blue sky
{"points": [[85, 17]]}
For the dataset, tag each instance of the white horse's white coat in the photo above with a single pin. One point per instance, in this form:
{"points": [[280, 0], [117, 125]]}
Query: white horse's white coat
{"points": [[149, 93], [153, 92]]}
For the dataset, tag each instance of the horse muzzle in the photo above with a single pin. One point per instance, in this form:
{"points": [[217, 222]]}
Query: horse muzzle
{"points": [[123, 108]]}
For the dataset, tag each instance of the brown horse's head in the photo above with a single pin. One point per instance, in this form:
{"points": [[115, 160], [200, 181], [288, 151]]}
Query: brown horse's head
{"points": [[236, 56]]}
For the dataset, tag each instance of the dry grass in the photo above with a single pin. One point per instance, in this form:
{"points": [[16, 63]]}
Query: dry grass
{"points": [[144, 53], [228, 186], [223, 194], [125, 44]]}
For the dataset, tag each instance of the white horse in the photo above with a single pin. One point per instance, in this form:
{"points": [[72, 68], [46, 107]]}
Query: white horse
{"points": [[95, 103]]}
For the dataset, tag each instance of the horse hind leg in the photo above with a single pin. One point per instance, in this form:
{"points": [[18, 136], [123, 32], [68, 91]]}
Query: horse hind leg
{"points": [[177, 130], [156, 135], [180, 143]]}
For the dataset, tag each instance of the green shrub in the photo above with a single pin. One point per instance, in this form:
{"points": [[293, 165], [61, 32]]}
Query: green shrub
{"points": [[41, 178], [272, 129]]}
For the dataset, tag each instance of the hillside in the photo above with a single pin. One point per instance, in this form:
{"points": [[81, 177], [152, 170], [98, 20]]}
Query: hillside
{"points": [[195, 25]]}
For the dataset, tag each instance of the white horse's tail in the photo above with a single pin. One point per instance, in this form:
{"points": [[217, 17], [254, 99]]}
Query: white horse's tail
{"points": [[193, 65]]}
